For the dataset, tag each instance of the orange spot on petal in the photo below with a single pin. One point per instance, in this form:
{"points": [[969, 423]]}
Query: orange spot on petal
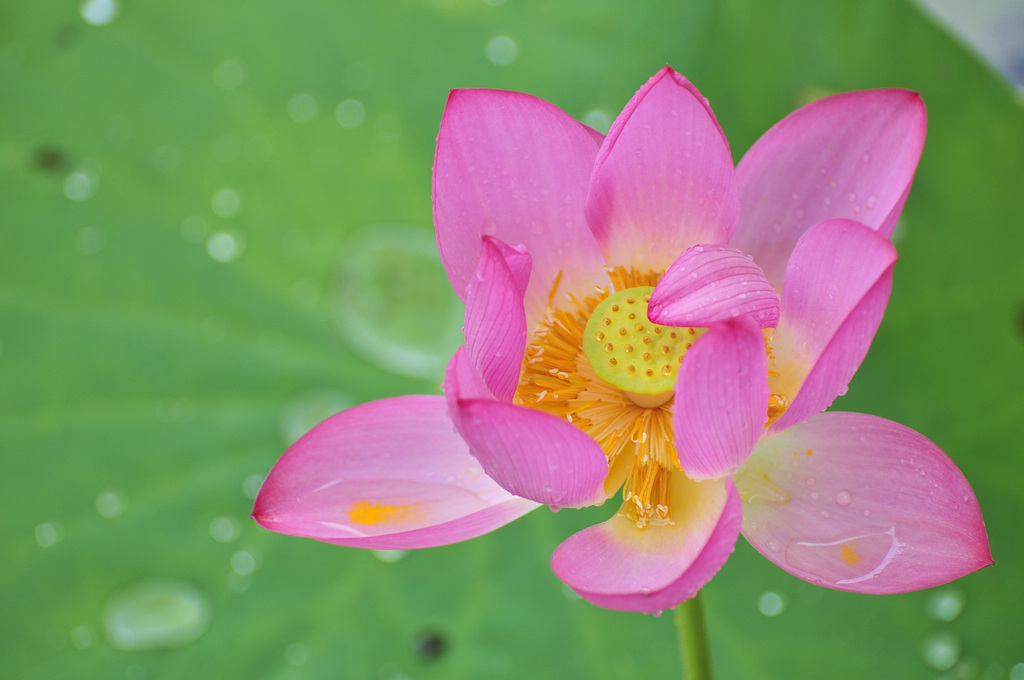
{"points": [[849, 554], [366, 513]]}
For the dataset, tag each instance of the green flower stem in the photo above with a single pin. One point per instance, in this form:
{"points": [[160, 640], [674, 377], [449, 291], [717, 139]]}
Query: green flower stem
{"points": [[693, 639]]}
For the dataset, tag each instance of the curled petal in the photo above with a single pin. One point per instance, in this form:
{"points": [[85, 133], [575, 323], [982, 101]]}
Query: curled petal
{"points": [[664, 179], [837, 287], [721, 400], [495, 320], [712, 283], [860, 503], [515, 167], [618, 566], [529, 453], [389, 474], [851, 156]]}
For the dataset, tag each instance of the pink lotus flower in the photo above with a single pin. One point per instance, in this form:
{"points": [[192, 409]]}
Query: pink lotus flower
{"points": [[591, 267]]}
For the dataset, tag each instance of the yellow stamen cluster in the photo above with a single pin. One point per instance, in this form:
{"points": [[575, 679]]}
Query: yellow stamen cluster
{"points": [[558, 378], [629, 416]]}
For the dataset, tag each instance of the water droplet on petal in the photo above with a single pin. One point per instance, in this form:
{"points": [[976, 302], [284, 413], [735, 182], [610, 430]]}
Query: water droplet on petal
{"points": [[843, 561], [870, 203], [844, 498], [866, 158], [156, 614]]}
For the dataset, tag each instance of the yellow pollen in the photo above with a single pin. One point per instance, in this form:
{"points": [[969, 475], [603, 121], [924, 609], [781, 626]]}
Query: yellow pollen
{"points": [[612, 375]]}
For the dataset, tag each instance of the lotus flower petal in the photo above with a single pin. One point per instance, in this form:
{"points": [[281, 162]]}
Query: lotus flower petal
{"points": [[390, 474], [837, 287], [712, 283], [614, 565], [664, 179], [721, 400], [852, 155], [495, 320], [856, 502], [515, 167]]}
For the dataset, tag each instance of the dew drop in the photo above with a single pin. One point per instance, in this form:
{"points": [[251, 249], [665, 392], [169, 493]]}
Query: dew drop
{"points": [[941, 650], [393, 303], [777, 227], [809, 481], [225, 202], [599, 119], [243, 563], [83, 182], [229, 74], [156, 614], [851, 197], [866, 158], [224, 247], [844, 498], [502, 50], [111, 503], [870, 203], [224, 529], [98, 12], [799, 212], [350, 113], [814, 495], [945, 605], [49, 534], [302, 107], [771, 604], [1017, 672], [390, 556]]}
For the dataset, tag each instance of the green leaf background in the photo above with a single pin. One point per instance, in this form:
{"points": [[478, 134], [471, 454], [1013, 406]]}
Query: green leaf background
{"points": [[159, 348]]}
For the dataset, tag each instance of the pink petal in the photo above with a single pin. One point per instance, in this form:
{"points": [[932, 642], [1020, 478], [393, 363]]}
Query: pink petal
{"points": [[515, 167], [530, 453], [389, 474], [495, 320], [712, 283], [721, 400], [856, 502], [836, 290], [618, 566], [664, 179], [534, 454], [852, 155], [462, 380]]}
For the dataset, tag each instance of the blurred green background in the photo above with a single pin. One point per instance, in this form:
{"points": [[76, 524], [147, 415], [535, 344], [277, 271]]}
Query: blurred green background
{"points": [[194, 194]]}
